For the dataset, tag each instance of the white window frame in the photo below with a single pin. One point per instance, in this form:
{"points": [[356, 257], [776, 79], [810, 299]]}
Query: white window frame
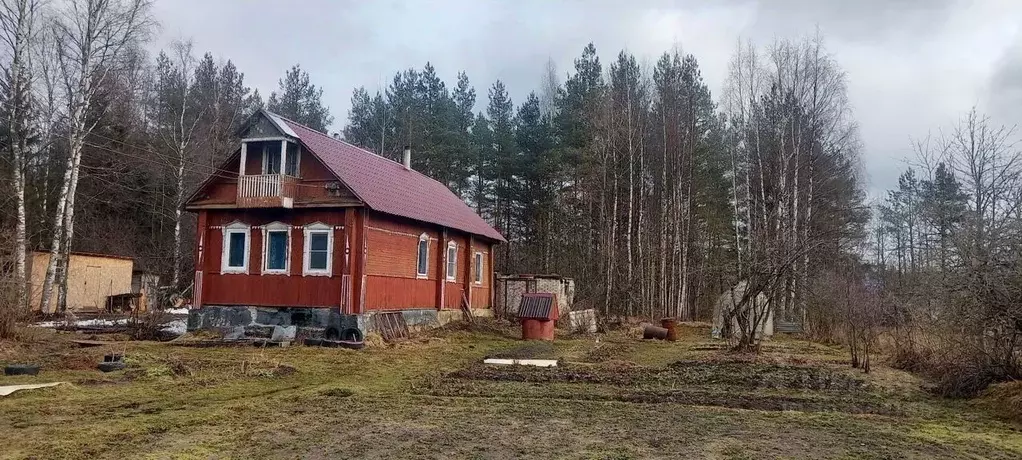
{"points": [[452, 275], [276, 227], [477, 270], [318, 227], [225, 253], [421, 275]]}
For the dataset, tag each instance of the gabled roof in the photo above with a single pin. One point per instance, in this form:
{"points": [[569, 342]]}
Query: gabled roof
{"points": [[386, 186]]}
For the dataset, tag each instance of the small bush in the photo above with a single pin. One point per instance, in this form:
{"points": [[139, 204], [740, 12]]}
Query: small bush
{"points": [[963, 378]]}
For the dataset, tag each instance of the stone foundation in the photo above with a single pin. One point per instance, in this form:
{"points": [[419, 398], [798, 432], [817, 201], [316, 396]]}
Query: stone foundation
{"points": [[310, 322]]}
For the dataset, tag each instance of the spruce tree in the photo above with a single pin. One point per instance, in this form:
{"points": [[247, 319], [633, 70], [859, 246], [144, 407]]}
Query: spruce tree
{"points": [[300, 100]]}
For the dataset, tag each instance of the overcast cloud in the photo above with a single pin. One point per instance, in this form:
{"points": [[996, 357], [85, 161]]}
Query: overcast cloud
{"points": [[913, 66]]}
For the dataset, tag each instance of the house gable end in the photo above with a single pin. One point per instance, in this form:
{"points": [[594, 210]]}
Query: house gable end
{"points": [[261, 127]]}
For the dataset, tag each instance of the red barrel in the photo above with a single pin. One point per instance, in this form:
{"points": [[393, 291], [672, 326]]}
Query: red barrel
{"points": [[671, 324]]}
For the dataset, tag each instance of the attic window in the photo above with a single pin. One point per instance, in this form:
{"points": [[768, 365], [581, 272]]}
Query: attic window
{"points": [[272, 160]]}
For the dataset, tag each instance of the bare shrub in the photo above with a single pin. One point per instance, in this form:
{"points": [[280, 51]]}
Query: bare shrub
{"points": [[12, 307]]}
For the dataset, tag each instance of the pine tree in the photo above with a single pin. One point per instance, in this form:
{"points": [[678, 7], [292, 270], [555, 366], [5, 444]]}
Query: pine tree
{"points": [[300, 100], [500, 113]]}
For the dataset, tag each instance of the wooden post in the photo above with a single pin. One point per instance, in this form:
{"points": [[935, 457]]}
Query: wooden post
{"points": [[283, 157], [491, 281], [200, 255], [244, 157], [470, 260], [441, 272]]}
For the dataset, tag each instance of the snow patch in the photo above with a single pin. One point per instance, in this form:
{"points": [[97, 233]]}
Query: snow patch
{"points": [[176, 311], [83, 323], [178, 326]]}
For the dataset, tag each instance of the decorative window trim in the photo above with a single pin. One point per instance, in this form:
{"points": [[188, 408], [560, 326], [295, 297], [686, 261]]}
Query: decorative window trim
{"points": [[452, 274], [225, 250], [477, 269], [422, 275], [276, 227], [318, 227]]}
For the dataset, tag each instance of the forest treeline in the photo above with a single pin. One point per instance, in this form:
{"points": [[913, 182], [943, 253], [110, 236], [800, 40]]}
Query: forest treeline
{"points": [[655, 194]]}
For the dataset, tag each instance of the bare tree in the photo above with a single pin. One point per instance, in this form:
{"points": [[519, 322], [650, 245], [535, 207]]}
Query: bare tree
{"points": [[176, 121], [91, 38]]}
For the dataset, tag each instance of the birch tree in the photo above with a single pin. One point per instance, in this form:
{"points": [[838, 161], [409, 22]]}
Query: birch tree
{"points": [[176, 122], [90, 38], [18, 19]]}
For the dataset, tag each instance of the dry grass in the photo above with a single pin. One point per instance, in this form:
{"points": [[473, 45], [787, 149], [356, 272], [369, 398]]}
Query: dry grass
{"points": [[616, 397]]}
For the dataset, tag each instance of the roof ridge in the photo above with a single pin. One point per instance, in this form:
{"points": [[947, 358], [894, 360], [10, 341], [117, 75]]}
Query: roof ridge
{"points": [[360, 149]]}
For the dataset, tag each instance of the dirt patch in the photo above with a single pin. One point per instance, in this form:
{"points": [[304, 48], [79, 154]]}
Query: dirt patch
{"points": [[759, 375], [859, 404], [605, 352], [485, 326], [531, 350], [745, 375]]}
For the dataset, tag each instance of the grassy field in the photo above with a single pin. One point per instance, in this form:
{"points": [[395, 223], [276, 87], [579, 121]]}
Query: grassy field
{"points": [[613, 397]]}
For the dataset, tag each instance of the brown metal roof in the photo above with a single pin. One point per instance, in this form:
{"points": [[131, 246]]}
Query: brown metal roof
{"points": [[387, 186]]}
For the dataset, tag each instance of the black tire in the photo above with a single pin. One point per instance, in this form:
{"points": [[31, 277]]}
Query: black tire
{"points": [[21, 369], [351, 345], [352, 335], [313, 342], [111, 366], [331, 333], [329, 343]]}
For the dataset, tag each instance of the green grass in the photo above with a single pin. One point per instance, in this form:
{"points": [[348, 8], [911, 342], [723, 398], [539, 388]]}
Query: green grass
{"points": [[430, 397]]}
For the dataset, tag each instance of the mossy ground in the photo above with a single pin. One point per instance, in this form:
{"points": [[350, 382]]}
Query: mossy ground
{"points": [[618, 397]]}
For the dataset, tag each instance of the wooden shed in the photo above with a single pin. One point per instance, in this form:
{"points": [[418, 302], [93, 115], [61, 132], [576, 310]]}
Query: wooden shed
{"points": [[91, 278]]}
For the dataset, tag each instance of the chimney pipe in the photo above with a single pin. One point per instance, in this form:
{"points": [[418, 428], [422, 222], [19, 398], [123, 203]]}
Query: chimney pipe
{"points": [[406, 158]]}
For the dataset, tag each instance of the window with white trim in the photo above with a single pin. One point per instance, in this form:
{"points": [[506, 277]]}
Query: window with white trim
{"points": [[318, 252], [452, 261], [478, 269], [276, 248], [235, 255], [422, 262]]}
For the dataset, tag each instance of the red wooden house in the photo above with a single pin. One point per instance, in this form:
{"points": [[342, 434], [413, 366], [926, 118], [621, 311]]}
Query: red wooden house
{"points": [[300, 228]]}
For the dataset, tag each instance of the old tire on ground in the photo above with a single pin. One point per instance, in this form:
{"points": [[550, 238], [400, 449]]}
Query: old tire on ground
{"points": [[349, 344], [312, 342], [21, 369], [352, 335], [111, 366], [328, 343]]}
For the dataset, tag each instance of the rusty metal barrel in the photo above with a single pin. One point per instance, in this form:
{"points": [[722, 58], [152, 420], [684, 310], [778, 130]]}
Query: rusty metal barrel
{"points": [[650, 331], [671, 324]]}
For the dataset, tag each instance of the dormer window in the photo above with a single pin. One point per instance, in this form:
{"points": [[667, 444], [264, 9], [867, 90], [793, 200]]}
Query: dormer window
{"points": [[272, 158]]}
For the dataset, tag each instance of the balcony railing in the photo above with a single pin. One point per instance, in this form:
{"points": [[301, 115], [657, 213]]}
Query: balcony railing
{"points": [[267, 191]]}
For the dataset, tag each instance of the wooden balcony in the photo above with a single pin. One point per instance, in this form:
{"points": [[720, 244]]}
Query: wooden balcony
{"points": [[267, 191]]}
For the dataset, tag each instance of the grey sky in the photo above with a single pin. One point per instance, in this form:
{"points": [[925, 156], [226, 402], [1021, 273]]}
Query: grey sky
{"points": [[913, 66]]}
